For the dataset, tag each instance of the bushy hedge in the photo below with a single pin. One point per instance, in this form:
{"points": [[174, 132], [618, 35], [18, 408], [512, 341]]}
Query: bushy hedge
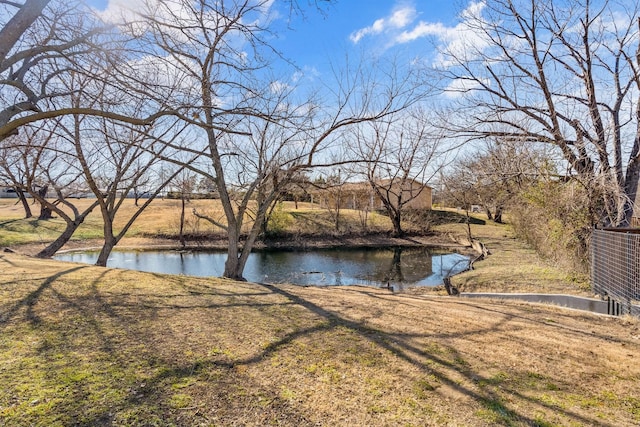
{"points": [[556, 218]]}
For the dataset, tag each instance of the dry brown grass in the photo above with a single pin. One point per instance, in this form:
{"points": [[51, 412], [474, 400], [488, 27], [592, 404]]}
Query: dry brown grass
{"points": [[81, 345], [512, 265], [162, 219]]}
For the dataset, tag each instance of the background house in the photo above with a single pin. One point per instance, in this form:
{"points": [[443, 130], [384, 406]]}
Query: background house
{"points": [[361, 196]]}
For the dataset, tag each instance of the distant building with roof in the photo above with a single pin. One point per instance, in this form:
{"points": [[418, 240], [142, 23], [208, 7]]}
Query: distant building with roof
{"points": [[362, 196]]}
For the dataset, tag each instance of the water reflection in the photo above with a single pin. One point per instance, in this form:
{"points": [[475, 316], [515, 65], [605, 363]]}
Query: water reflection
{"points": [[397, 267]]}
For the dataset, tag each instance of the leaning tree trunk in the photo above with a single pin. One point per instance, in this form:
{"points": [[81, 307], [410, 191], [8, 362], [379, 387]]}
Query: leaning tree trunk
{"points": [[25, 202], [55, 246], [71, 226]]}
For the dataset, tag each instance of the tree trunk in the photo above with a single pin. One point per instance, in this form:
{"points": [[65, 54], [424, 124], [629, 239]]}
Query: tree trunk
{"points": [[236, 257], [55, 246], [489, 214], [396, 220], [497, 217], [25, 203], [264, 222], [71, 226], [338, 213], [107, 248], [182, 241], [631, 190], [232, 267], [18, 25], [110, 242], [45, 211]]}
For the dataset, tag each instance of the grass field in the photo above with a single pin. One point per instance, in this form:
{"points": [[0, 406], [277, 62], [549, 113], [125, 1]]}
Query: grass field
{"points": [[82, 345], [162, 218]]}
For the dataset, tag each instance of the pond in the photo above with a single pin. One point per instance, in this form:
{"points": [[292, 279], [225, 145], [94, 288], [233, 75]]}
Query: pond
{"points": [[381, 267]]}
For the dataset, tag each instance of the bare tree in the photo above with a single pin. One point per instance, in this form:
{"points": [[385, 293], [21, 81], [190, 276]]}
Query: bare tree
{"points": [[13, 173], [496, 174], [112, 156], [332, 192], [44, 43], [458, 189], [69, 68], [185, 183], [112, 165], [255, 139], [46, 168], [565, 74], [398, 156]]}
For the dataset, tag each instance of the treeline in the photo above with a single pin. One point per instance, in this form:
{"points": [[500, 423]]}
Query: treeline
{"points": [[522, 185]]}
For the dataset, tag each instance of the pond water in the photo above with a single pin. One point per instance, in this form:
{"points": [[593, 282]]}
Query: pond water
{"points": [[394, 266]]}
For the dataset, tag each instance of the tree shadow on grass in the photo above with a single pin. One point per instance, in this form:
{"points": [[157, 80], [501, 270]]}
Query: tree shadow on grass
{"points": [[5, 223], [446, 368], [398, 345], [438, 217], [150, 385], [30, 300]]}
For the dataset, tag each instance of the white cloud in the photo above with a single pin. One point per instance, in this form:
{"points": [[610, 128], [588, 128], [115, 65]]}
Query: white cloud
{"points": [[460, 40], [182, 14], [423, 29], [474, 10], [123, 11], [399, 18], [278, 86], [459, 87], [402, 17]]}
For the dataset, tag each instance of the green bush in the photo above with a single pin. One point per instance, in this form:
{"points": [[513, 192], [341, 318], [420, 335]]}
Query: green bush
{"points": [[279, 220]]}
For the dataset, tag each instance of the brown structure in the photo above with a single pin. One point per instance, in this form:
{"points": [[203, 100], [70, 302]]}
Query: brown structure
{"points": [[361, 196]]}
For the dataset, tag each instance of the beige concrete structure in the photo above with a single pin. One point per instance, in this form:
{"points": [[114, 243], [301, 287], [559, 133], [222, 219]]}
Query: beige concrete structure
{"points": [[361, 196]]}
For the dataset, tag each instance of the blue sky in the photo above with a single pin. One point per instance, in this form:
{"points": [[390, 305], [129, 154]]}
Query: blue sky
{"points": [[372, 26], [361, 24]]}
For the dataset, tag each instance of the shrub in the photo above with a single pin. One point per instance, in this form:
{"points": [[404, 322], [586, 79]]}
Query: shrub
{"points": [[279, 220], [556, 219]]}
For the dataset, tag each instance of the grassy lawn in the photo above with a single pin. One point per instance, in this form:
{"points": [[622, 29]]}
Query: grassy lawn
{"points": [[512, 266], [82, 345], [162, 219]]}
